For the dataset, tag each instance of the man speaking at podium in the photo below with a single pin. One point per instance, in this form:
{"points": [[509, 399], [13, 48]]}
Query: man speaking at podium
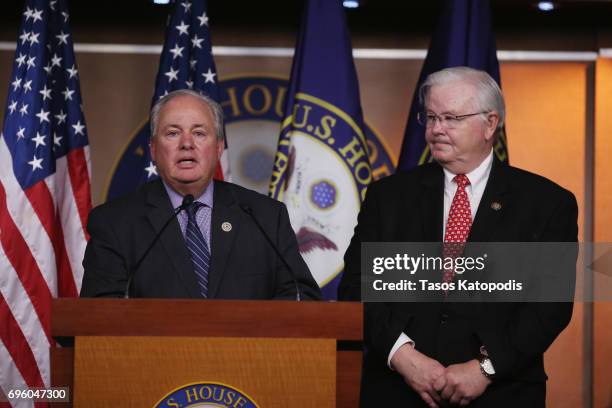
{"points": [[187, 236]]}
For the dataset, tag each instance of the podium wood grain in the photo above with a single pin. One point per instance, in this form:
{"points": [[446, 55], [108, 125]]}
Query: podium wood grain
{"points": [[114, 367]]}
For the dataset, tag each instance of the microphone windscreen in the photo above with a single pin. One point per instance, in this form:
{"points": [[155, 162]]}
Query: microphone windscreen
{"points": [[187, 200]]}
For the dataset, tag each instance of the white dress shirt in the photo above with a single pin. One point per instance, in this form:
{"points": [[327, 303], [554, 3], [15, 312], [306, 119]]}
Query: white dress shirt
{"points": [[478, 181]]}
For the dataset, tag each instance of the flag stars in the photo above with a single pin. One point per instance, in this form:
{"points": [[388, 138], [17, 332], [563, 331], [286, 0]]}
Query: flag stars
{"points": [[16, 84], [151, 170], [33, 38], [48, 68], [21, 133], [27, 86], [36, 15], [78, 129], [24, 37], [46, 93], [21, 60], [56, 61], [61, 117], [13, 106], [39, 139], [209, 76], [52, 4], [36, 163], [66, 16], [189, 84], [203, 19], [28, 13], [177, 51], [196, 42], [172, 75], [183, 28], [43, 116], [67, 94], [72, 72], [31, 63], [187, 6], [57, 140], [192, 64], [62, 38], [24, 109]]}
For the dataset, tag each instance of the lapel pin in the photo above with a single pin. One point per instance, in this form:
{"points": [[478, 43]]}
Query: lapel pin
{"points": [[496, 206], [226, 226]]}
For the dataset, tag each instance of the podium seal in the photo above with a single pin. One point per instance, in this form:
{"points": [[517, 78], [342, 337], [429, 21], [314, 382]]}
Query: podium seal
{"points": [[206, 395]]}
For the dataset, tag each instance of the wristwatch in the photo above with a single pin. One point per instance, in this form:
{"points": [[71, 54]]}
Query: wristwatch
{"points": [[486, 367]]}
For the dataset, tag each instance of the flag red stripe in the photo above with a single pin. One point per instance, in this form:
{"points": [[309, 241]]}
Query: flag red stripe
{"points": [[42, 202], [66, 285], [79, 178], [25, 265], [17, 345]]}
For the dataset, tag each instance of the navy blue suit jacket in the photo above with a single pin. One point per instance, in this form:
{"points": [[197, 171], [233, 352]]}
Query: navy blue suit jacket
{"points": [[244, 265]]}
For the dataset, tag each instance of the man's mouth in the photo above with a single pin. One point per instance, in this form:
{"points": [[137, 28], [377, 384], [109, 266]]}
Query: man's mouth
{"points": [[187, 162], [439, 143]]}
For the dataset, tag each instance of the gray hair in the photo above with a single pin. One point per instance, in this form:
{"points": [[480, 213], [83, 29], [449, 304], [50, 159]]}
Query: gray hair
{"points": [[488, 93], [215, 108]]}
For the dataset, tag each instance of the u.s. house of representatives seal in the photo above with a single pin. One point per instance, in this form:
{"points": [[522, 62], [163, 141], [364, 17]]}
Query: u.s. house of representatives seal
{"points": [[326, 177], [206, 395]]}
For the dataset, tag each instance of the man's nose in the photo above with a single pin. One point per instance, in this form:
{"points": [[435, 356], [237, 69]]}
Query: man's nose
{"points": [[437, 127], [186, 141]]}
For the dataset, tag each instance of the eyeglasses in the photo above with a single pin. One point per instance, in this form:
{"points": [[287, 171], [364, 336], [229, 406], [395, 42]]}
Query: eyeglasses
{"points": [[447, 121]]}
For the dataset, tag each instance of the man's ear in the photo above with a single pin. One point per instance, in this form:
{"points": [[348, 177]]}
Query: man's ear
{"points": [[220, 148], [491, 125], [152, 149]]}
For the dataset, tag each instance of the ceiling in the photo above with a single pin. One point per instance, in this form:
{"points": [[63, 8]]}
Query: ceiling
{"points": [[580, 19], [393, 14]]}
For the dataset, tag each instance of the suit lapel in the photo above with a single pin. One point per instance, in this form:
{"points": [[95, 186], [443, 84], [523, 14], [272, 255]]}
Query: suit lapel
{"points": [[225, 213], [158, 211], [432, 203], [492, 204]]}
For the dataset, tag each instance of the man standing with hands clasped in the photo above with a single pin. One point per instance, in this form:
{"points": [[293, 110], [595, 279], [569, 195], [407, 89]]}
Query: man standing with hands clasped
{"points": [[449, 353], [215, 246]]}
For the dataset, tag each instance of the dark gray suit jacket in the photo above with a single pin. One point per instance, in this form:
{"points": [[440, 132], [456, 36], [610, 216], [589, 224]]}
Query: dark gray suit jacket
{"points": [[244, 265], [409, 208]]}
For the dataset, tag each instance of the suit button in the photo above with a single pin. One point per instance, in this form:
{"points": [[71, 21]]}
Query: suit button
{"points": [[443, 318]]}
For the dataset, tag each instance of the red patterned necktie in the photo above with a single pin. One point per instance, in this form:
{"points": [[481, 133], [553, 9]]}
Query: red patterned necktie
{"points": [[458, 225]]}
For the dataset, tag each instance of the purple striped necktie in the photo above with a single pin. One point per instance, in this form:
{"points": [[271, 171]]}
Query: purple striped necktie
{"points": [[198, 247]]}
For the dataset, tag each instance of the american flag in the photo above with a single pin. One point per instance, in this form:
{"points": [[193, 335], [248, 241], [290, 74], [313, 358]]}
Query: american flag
{"points": [[44, 192], [186, 62]]}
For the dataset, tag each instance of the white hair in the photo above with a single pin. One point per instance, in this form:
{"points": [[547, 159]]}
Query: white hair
{"points": [[489, 95], [215, 108]]}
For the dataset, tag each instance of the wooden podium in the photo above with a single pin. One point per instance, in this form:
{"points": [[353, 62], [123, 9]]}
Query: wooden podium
{"points": [[134, 352]]}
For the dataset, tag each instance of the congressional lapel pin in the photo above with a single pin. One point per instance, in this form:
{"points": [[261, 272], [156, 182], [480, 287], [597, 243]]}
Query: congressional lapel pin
{"points": [[226, 226], [496, 206]]}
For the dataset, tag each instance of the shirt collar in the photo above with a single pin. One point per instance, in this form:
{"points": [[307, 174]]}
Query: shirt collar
{"points": [[476, 176], [176, 199]]}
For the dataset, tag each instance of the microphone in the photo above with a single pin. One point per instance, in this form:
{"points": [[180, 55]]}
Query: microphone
{"points": [[249, 211], [187, 201]]}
